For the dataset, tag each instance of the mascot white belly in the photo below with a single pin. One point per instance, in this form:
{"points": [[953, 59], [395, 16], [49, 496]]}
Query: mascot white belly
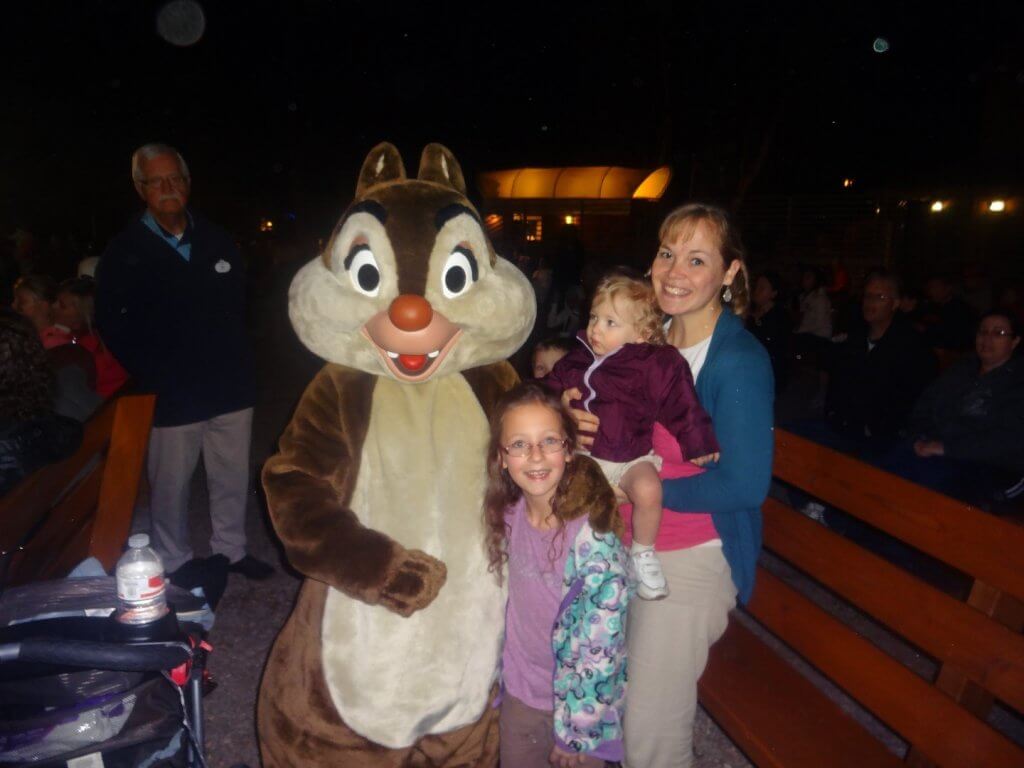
{"points": [[420, 438]]}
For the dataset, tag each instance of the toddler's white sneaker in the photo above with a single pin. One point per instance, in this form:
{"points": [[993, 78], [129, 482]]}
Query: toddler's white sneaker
{"points": [[650, 580]]}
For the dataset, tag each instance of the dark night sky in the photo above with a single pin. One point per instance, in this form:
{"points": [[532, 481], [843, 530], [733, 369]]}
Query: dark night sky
{"points": [[278, 103]]}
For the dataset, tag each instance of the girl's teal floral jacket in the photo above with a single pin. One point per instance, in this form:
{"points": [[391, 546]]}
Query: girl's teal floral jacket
{"points": [[589, 638]]}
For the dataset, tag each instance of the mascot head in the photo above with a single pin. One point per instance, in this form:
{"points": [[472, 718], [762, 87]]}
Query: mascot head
{"points": [[409, 285]]}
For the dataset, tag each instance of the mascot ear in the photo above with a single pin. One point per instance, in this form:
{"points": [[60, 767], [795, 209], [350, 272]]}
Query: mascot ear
{"points": [[381, 165], [438, 164]]}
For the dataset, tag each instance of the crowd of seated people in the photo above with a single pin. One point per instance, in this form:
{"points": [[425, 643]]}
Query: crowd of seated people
{"points": [[62, 315], [32, 432], [918, 385], [67, 367]]}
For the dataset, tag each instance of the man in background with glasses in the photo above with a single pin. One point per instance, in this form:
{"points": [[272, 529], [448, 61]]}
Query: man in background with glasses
{"points": [[877, 373], [170, 304]]}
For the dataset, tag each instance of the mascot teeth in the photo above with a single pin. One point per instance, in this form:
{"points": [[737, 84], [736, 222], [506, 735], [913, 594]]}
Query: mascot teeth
{"points": [[393, 355], [434, 354]]}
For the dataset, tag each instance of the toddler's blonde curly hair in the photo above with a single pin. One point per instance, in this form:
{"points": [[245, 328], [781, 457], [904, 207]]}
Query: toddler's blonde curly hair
{"points": [[638, 295]]}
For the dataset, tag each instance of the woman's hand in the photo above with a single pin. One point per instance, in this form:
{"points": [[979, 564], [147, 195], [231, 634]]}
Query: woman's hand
{"points": [[586, 422], [562, 759], [927, 448]]}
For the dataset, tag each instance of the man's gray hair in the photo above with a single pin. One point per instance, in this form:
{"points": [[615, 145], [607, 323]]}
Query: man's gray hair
{"points": [[151, 150]]}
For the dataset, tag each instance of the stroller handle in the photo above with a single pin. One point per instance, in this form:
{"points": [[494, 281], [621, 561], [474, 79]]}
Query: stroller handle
{"points": [[91, 654]]}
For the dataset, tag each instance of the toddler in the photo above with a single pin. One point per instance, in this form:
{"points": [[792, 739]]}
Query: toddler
{"points": [[630, 379]]}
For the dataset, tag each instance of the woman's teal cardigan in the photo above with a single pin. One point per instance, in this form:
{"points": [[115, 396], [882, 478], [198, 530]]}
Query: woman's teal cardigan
{"points": [[737, 389]]}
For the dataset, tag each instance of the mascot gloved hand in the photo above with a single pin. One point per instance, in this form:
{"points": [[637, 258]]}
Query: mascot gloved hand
{"points": [[390, 656]]}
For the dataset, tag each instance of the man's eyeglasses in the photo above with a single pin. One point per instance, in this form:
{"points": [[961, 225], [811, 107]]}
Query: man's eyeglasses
{"points": [[520, 448], [995, 333], [877, 297], [175, 180]]}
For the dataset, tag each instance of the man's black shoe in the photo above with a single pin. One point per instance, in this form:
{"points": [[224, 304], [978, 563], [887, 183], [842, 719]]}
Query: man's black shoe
{"points": [[252, 568], [190, 575], [216, 579], [210, 573]]}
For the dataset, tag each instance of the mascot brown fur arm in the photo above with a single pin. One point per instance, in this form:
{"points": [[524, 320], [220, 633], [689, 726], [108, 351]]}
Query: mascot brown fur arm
{"points": [[308, 484]]}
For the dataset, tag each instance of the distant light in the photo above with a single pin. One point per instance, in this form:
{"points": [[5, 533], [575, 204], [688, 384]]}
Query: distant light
{"points": [[881, 45], [568, 218], [266, 225], [938, 207], [847, 183], [181, 22], [878, 209], [997, 206], [493, 222]]}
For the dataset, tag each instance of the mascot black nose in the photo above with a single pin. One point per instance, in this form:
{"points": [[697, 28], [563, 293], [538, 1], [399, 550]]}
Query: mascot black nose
{"points": [[410, 312]]}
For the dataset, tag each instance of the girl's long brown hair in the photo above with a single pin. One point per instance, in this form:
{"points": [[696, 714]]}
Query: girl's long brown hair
{"points": [[502, 492]]}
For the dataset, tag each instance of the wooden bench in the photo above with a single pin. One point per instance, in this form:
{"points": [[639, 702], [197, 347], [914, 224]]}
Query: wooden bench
{"points": [[773, 711], [82, 506]]}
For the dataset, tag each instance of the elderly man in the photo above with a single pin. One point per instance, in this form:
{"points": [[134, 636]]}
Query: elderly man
{"points": [[170, 304]]}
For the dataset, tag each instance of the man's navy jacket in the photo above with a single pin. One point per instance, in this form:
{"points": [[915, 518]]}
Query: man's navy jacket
{"points": [[177, 326]]}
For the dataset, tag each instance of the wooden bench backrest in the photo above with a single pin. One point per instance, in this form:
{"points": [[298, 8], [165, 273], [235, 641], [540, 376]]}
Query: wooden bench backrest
{"points": [[82, 506], [978, 644]]}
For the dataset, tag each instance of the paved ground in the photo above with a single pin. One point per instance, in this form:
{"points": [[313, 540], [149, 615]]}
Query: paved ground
{"points": [[251, 613]]}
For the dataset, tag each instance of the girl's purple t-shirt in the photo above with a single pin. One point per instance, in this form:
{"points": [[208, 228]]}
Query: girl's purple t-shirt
{"points": [[536, 566]]}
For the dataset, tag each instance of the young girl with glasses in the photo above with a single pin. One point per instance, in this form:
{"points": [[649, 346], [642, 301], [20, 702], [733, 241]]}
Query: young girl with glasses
{"points": [[553, 524], [622, 372]]}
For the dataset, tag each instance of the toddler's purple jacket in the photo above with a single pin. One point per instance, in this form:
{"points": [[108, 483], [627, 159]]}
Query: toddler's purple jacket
{"points": [[630, 389]]}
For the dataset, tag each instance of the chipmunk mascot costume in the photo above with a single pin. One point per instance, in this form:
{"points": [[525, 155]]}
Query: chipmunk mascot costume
{"points": [[390, 656]]}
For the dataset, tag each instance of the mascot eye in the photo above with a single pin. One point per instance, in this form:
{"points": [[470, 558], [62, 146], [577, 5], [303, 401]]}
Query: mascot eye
{"points": [[459, 272], [363, 270]]}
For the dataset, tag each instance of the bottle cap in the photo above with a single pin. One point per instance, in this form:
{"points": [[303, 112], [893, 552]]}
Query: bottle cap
{"points": [[138, 540]]}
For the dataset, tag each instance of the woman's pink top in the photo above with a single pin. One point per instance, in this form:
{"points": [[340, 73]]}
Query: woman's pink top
{"points": [[677, 531]]}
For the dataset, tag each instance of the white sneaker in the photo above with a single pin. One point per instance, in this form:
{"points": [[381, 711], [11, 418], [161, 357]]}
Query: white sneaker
{"points": [[650, 581]]}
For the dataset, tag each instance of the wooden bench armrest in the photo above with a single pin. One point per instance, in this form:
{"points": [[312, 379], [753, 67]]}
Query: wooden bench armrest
{"points": [[82, 506]]}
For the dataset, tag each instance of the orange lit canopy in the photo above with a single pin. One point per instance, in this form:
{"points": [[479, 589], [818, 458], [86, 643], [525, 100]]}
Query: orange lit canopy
{"points": [[604, 182]]}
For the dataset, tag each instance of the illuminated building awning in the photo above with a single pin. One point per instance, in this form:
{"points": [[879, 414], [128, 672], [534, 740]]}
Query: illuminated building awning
{"points": [[603, 182]]}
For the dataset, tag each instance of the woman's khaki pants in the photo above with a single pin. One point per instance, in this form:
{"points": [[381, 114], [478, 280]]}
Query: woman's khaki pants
{"points": [[668, 650]]}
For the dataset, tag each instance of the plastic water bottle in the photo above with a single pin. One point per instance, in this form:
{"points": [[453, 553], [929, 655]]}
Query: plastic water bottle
{"points": [[141, 588]]}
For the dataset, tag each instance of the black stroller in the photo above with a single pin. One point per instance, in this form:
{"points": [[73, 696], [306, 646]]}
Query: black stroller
{"points": [[84, 691]]}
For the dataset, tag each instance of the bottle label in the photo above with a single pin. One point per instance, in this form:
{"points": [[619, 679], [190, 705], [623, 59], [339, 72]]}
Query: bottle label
{"points": [[140, 587]]}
